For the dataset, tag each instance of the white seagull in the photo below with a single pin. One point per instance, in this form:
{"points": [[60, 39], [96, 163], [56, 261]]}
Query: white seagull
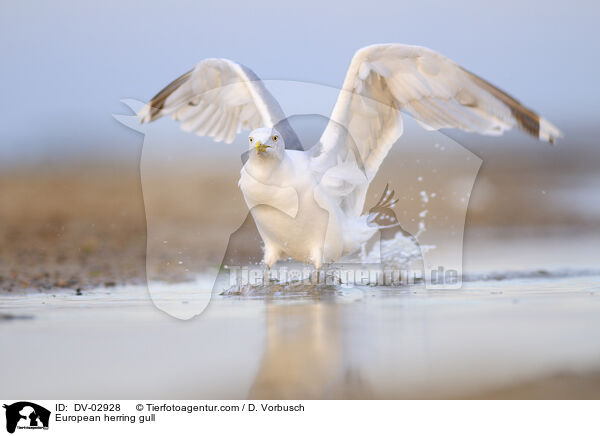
{"points": [[308, 205]]}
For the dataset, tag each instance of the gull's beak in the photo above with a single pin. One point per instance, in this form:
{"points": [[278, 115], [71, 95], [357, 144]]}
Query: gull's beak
{"points": [[260, 147]]}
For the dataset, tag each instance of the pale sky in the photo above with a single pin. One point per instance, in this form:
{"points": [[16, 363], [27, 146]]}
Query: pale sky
{"points": [[66, 64]]}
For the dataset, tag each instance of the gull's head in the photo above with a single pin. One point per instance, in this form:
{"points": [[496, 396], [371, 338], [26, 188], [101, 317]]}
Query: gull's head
{"points": [[266, 142]]}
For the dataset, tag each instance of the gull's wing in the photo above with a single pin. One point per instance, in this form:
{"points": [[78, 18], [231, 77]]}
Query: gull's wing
{"points": [[385, 79], [219, 98]]}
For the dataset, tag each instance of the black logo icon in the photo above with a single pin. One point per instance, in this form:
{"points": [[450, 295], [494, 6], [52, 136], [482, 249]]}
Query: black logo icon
{"points": [[26, 415]]}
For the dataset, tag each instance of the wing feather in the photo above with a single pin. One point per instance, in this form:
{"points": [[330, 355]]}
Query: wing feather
{"points": [[219, 98], [383, 80]]}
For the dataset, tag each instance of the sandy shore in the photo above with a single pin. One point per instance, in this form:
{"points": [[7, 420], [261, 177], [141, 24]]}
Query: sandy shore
{"points": [[71, 229], [83, 226]]}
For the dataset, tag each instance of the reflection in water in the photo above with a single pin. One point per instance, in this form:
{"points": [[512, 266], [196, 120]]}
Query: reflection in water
{"points": [[417, 343], [303, 352], [304, 356]]}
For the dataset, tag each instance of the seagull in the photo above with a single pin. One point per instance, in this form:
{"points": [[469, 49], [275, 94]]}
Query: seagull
{"points": [[308, 204]]}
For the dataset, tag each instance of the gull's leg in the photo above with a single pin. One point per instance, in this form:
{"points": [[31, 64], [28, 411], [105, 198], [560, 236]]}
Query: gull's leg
{"points": [[272, 255], [317, 260]]}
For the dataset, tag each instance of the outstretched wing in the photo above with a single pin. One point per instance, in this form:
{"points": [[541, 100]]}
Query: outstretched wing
{"points": [[219, 98], [382, 80]]}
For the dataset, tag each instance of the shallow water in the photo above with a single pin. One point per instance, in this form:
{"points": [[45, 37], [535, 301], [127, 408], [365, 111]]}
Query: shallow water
{"points": [[338, 343]]}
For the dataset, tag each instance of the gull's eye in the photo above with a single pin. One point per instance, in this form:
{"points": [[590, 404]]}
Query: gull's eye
{"points": [[251, 140], [275, 138]]}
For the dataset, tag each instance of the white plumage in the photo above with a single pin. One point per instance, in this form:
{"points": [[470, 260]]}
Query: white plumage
{"points": [[308, 204]]}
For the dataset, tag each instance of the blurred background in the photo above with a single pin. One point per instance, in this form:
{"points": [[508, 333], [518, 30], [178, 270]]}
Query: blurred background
{"points": [[71, 199]]}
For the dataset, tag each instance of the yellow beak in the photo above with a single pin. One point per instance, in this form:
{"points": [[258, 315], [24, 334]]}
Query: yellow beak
{"points": [[260, 147]]}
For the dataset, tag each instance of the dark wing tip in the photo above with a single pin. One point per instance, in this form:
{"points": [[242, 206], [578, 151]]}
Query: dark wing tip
{"points": [[527, 120], [153, 109]]}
